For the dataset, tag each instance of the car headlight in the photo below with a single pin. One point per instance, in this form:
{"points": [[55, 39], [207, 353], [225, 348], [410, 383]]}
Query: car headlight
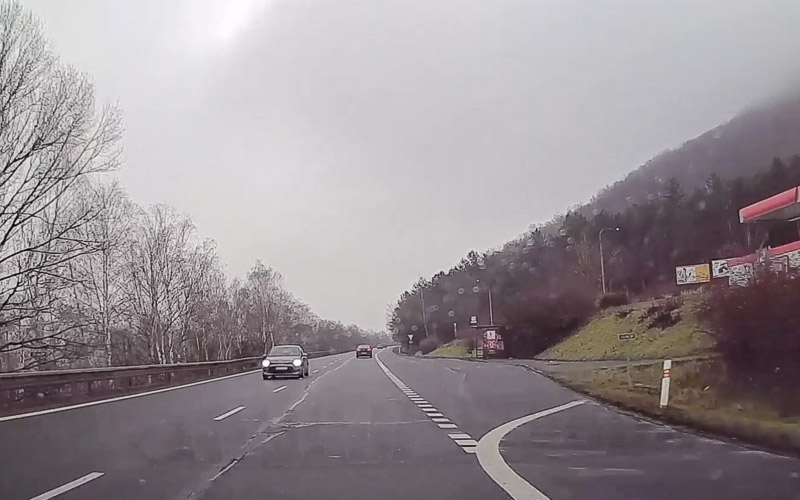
{"points": [[265, 363], [297, 362]]}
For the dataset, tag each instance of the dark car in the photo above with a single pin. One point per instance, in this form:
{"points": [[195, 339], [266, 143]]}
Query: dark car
{"points": [[285, 360], [364, 350]]}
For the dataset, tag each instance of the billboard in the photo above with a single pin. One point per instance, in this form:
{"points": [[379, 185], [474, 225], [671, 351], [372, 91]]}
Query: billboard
{"points": [[719, 268], [698, 273]]}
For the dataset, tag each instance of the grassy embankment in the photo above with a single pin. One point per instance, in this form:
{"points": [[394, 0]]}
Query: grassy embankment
{"points": [[701, 394], [458, 348], [682, 334]]}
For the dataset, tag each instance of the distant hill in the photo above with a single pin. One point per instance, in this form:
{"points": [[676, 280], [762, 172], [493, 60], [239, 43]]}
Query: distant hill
{"points": [[739, 147]]}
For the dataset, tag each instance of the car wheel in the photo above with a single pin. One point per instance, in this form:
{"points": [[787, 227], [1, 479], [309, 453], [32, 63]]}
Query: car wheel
{"points": [[307, 368], [265, 377], [301, 375]]}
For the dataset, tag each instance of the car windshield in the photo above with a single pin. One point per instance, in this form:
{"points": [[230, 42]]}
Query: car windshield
{"points": [[405, 248], [285, 350]]}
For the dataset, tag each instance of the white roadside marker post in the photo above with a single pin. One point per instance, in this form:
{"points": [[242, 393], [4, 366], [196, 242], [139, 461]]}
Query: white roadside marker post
{"points": [[665, 383]]}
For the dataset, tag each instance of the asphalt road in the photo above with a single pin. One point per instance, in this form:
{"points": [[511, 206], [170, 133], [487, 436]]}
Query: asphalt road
{"points": [[391, 428]]}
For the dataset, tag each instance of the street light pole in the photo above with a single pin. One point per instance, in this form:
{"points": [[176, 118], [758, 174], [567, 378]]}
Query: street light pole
{"points": [[602, 260], [491, 309], [491, 312], [424, 321]]}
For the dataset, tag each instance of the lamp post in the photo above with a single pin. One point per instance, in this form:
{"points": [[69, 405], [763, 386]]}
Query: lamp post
{"points": [[602, 260], [491, 309]]}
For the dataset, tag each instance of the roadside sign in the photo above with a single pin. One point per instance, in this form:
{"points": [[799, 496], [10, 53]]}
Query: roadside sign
{"points": [[410, 338], [473, 320], [688, 275], [719, 268], [626, 336]]}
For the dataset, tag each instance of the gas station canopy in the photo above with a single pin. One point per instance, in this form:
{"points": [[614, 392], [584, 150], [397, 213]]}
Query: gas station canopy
{"points": [[783, 206]]}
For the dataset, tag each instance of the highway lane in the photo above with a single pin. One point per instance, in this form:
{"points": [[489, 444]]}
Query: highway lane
{"points": [[356, 435], [591, 450], [396, 428], [153, 446]]}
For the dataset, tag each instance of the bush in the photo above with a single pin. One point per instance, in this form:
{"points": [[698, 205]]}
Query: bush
{"points": [[429, 345], [612, 299], [536, 323], [664, 319], [758, 334], [672, 304], [624, 313]]}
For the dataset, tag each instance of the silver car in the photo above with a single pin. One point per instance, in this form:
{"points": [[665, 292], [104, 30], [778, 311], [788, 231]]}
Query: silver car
{"points": [[285, 361]]}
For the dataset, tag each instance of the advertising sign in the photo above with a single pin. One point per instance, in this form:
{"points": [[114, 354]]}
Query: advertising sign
{"points": [[687, 275], [719, 268], [741, 274], [493, 342]]}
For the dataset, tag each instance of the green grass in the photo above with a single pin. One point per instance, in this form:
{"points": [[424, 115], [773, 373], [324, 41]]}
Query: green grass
{"points": [[701, 396], [598, 339], [454, 349]]}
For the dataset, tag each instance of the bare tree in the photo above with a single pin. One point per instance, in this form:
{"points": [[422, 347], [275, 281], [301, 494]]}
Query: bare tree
{"points": [[166, 272], [99, 276], [51, 138]]}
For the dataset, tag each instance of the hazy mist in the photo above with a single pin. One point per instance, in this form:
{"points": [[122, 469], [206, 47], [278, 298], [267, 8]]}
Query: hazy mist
{"points": [[356, 145]]}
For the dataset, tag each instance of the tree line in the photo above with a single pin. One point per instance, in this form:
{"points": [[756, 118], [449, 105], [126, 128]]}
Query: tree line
{"points": [[546, 282], [87, 277]]}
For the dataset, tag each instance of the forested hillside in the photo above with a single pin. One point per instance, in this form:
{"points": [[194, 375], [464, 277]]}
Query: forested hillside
{"points": [[736, 148], [544, 284]]}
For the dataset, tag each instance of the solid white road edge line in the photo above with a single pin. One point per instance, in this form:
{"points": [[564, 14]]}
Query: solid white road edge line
{"points": [[279, 389], [229, 413], [69, 486], [120, 398], [488, 452]]}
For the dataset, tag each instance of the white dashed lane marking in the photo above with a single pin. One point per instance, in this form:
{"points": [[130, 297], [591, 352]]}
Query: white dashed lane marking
{"points": [[459, 435], [463, 440], [229, 413], [279, 389], [69, 486]]}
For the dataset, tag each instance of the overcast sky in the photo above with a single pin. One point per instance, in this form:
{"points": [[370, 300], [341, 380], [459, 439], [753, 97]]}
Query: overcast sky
{"points": [[356, 145]]}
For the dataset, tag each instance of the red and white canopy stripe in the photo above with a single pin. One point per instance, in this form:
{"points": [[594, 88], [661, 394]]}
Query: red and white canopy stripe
{"points": [[782, 206]]}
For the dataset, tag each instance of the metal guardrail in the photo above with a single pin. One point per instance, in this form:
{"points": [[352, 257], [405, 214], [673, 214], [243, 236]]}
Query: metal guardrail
{"points": [[34, 389]]}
